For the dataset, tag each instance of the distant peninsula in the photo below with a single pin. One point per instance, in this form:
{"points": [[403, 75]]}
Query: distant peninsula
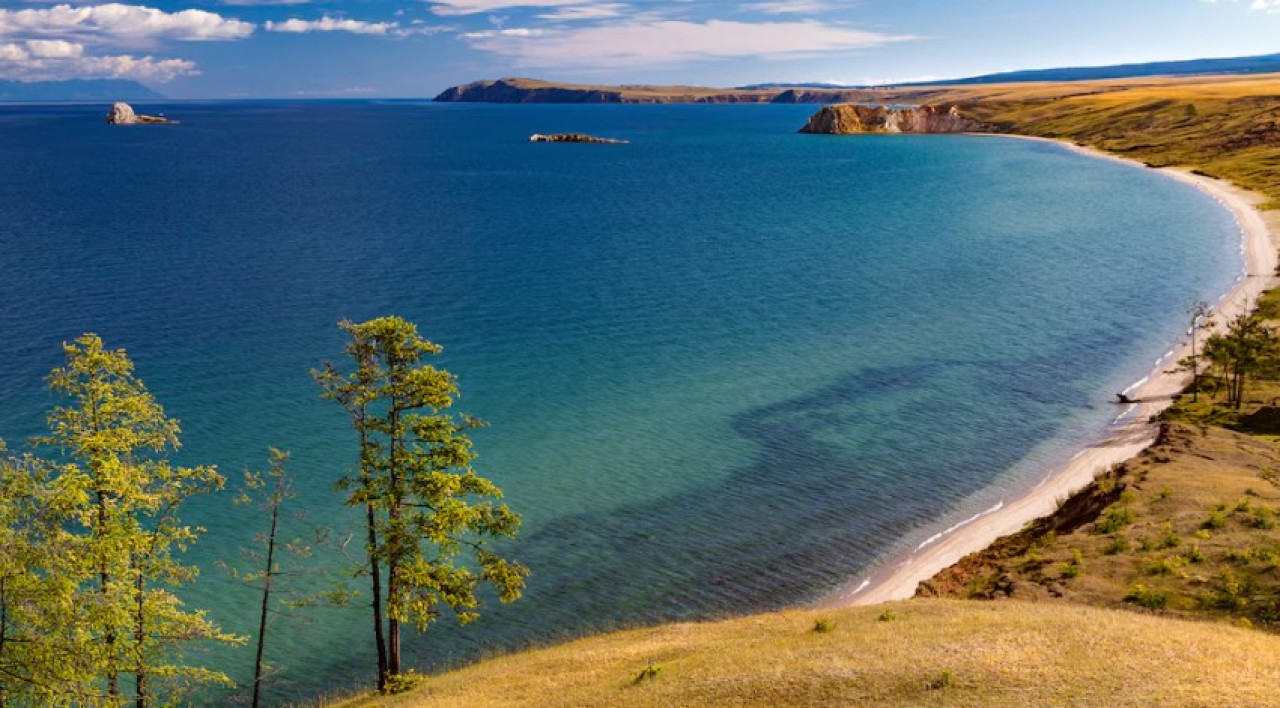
{"points": [[536, 91], [76, 90]]}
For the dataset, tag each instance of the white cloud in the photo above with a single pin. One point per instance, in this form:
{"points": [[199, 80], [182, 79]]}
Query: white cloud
{"points": [[472, 7], [244, 3], [330, 24], [54, 48], [789, 7], [600, 11], [639, 43], [122, 24], [45, 60]]}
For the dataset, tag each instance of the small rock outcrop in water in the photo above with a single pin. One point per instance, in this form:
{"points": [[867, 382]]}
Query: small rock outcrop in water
{"points": [[573, 138], [122, 114], [847, 119]]}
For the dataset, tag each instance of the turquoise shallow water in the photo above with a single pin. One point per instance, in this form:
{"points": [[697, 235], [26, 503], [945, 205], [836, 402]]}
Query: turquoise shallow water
{"points": [[727, 367]]}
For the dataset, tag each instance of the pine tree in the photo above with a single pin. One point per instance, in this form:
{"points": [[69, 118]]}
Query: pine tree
{"points": [[424, 504], [123, 525]]}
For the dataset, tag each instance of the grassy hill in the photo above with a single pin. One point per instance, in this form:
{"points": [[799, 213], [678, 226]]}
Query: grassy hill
{"points": [[922, 652]]}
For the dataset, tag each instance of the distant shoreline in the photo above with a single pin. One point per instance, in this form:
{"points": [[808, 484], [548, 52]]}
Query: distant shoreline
{"points": [[899, 576]]}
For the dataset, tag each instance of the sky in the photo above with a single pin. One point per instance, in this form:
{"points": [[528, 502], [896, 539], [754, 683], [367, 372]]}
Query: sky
{"points": [[417, 48]]}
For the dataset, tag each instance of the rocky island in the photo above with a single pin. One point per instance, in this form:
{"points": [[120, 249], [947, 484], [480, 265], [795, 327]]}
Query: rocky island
{"points": [[122, 114], [847, 119], [574, 138]]}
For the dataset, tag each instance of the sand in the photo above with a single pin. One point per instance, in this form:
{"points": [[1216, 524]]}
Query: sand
{"points": [[898, 578]]}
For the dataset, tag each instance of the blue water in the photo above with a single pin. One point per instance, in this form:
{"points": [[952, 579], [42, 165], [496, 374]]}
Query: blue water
{"points": [[728, 367]]}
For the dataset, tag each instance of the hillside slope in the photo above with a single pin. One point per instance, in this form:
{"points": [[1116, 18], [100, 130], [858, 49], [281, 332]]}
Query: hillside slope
{"points": [[922, 652]]}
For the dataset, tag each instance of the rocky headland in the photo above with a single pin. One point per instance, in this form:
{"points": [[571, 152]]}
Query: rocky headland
{"points": [[122, 114], [574, 138], [512, 90], [848, 119]]}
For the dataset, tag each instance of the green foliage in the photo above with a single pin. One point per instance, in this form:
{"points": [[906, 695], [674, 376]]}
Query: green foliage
{"points": [[648, 673], [887, 616], [1117, 545], [425, 505], [823, 625], [1118, 517], [1215, 521], [1147, 597], [403, 682], [88, 565], [1238, 353]]}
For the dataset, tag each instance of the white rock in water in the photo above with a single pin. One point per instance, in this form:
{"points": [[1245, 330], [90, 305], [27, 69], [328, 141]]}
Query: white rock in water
{"points": [[122, 113]]}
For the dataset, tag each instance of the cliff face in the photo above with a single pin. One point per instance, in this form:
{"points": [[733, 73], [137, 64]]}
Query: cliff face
{"points": [[846, 119]]}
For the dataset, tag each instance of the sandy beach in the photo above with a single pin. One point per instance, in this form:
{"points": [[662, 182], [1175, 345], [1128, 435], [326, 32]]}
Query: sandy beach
{"points": [[898, 578]]}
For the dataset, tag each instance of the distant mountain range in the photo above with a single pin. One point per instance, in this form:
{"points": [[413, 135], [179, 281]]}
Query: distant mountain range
{"points": [[76, 90]]}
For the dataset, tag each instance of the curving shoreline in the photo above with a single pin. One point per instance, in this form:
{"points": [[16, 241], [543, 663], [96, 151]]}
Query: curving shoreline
{"points": [[898, 578]]}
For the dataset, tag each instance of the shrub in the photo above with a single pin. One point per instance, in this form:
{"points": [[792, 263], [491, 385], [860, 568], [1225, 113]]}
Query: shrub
{"points": [[1167, 565], [822, 626], [1118, 544], [1117, 518], [648, 673], [403, 682], [1147, 597], [945, 680], [887, 616], [1195, 555], [1215, 521], [1263, 518]]}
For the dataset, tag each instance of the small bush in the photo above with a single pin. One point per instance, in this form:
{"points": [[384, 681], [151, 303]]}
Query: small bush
{"points": [[887, 616], [1147, 597], [1243, 505], [1170, 539], [1204, 534], [1117, 518], [648, 673], [1215, 521], [822, 626], [945, 680], [1168, 565], [1118, 545], [1195, 555], [1165, 493], [403, 682], [1263, 518]]}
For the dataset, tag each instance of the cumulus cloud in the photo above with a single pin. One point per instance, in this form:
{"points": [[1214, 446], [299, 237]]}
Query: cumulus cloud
{"points": [[472, 7], [119, 24], [640, 43], [45, 60], [331, 24]]}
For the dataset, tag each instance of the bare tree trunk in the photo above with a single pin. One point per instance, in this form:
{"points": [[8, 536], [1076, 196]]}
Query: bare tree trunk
{"points": [[139, 638], [376, 574], [266, 599]]}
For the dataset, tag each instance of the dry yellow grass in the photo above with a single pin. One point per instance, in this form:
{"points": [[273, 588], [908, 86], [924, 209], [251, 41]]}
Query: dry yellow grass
{"points": [[932, 652]]}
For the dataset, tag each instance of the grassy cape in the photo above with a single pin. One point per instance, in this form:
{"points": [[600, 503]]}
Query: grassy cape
{"points": [[1158, 584]]}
